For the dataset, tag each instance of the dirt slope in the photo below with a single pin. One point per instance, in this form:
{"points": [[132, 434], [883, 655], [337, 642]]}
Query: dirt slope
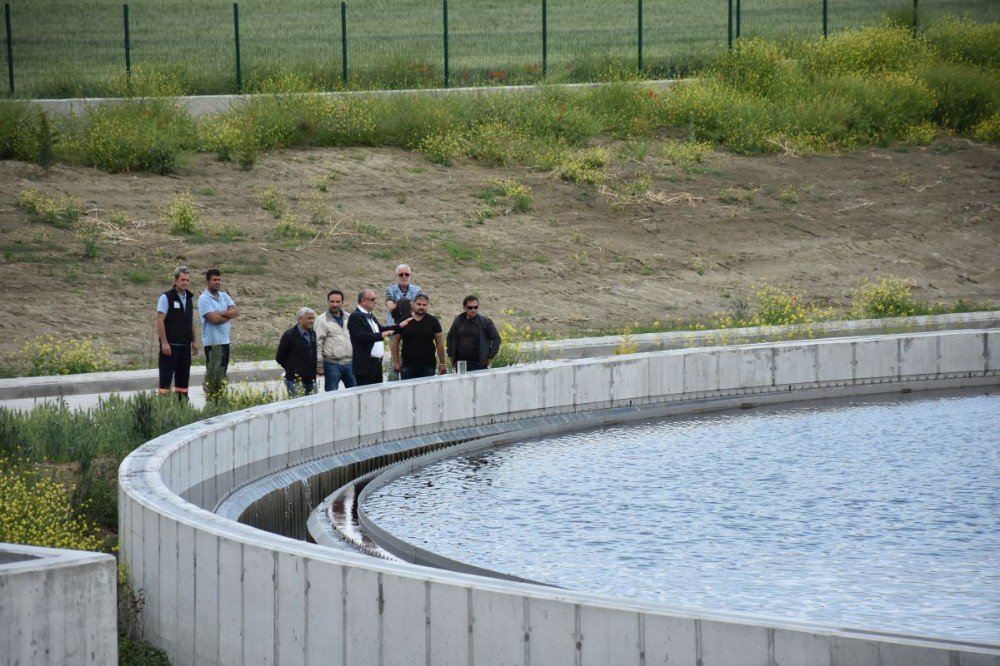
{"points": [[584, 256]]}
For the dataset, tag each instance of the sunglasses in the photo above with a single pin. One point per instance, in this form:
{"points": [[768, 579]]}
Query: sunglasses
{"points": [[471, 307], [403, 274]]}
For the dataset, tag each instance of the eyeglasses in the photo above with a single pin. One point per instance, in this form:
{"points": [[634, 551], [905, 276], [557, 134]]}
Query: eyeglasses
{"points": [[471, 307], [403, 274]]}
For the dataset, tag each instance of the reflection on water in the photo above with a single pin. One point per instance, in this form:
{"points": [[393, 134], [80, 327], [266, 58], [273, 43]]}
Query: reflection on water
{"points": [[883, 515]]}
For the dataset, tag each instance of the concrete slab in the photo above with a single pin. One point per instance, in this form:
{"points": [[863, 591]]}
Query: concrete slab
{"points": [[609, 636], [450, 624]]}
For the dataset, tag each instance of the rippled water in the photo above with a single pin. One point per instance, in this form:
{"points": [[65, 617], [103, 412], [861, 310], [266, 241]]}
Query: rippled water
{"points": [[882, 515]]}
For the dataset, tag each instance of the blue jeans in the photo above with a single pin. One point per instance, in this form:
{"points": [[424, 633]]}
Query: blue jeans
{"points": [[303, 387], [334, 373], [417, 371]]}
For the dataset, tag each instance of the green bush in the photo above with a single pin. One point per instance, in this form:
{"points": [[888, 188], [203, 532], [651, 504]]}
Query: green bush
{"points": [[36, 510], [965, 95], [143, 135], [888, 296], [963, 40], [182, 214], [52, 355], [145, 81], [61, 213], [989, 129], [874, 50]]}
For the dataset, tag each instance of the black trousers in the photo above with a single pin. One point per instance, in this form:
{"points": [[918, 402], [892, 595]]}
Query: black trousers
{"points": [[175, 368], [365, 380]]}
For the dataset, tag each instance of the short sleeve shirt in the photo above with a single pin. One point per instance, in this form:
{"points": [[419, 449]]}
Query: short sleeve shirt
{"points": [[417, 340], [214, 334], [163, 305]]}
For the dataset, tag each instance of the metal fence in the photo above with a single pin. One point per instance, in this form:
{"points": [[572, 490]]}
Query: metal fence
{"points": [[63, 48]]}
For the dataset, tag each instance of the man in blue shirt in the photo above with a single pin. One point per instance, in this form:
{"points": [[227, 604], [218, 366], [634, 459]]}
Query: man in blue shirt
{"points": [[216, 308], [400, 295]]}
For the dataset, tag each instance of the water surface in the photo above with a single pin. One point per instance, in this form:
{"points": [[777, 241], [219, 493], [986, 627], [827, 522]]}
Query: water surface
{"points": [[881, 515]]}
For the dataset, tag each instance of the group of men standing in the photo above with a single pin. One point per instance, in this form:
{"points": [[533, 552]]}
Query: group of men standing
{"points": [[340, 347]]}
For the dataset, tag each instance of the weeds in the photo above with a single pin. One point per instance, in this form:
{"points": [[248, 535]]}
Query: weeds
{"points": [[888, 296], [273, 202], [510, 195], [61, 213], [51, 355], [182, 215], [35, 509]]}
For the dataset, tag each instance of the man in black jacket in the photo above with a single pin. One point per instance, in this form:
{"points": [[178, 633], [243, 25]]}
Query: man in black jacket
{"points": [[297, 354], [472, 337], [367, 340]]}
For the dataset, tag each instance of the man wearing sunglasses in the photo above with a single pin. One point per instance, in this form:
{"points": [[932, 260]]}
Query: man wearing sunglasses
{"points": [[399, 296], [472, 337]]}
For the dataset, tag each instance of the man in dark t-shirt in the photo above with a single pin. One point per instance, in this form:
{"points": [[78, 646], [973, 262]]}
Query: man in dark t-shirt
{"points": [[420, 340]]}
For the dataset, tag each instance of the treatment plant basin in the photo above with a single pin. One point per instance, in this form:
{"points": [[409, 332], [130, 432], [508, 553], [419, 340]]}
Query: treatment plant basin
{"points": [[878, 514], [213, 516]]}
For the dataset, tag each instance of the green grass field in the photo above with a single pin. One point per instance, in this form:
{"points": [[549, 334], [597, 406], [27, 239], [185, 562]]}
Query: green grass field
{"points": [[73, 47]]}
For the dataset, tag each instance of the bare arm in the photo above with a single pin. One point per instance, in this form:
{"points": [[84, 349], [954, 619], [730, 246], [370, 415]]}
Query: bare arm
{"points": [[442, 359], [396, 365], [161, 331]]}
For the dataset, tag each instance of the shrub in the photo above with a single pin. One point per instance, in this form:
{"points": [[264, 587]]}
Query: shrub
{"points": [[888, 296], [876, 49], [182, 214], [442, 148], [989, 129], [36, 510], [966, 41], [965, 95], [759, 67], [61, 213], [144, 135], [514, 348], [51, 355], [584, 166], [147, 82]]}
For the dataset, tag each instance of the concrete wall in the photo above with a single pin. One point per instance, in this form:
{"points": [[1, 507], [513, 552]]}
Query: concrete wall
{"points": [[221, 592], [17, 388], [57, 606]]}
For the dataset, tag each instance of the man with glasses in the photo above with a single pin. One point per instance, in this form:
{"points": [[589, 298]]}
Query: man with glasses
{"points": [[366, 339], [472, 337], [399, 296]]}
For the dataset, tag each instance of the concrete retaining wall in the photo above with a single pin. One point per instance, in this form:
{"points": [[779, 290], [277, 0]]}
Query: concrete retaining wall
{"points": [[17, 388], [57, 606], [221, 592]]}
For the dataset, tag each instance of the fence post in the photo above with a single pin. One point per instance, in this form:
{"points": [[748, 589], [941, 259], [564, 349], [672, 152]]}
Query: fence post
{"points": [[915, 25], [640, 36], [128, 47], [236, 32], [10, 47], [445, 12], [545, 38], [729, 23], [343, 42], [739, 19]]}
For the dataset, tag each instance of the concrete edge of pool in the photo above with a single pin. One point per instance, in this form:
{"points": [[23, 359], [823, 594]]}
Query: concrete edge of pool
{"points": [[221, 592]]}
